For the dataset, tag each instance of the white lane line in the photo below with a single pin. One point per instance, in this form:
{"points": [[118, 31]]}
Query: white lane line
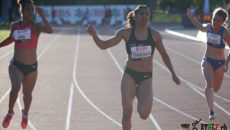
{"points": [[190, 59], [155, 122], [67, 126], [4, 96], [5, 55], [187, 36], [119, 67], [193, 88], [182, 35], [8, 53], [121, 70], [49, 45], [20, 108], [44, 50], [188, 83], [79, 88], [175, 109]]}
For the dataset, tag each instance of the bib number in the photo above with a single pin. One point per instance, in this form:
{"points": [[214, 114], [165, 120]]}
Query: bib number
{"points": [[22, 35], [214, 38], [141, 52]]}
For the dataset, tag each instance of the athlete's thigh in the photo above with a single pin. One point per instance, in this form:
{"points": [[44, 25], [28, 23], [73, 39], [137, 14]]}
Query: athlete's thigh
{"points": [[16, 76], [218, 78], [29, 82], [207, 71], [128, 90], [144, 94]]}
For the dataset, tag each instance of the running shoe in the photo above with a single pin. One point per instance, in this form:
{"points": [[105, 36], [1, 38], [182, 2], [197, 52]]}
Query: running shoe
{"points": [[212, 115], [6, 121], [24, 120]]}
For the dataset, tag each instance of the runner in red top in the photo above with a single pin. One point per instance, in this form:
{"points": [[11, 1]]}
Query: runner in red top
{"points": [[23, 66]]}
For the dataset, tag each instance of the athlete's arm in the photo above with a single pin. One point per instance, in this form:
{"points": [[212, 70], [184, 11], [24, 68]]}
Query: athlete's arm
{"points": [[164, 56], [10, 38], [46, 27], [104, 44], [196, 23], [226, 37]]}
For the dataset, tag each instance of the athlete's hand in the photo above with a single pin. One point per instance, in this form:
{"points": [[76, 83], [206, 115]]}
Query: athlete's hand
{"points": [[226, 68], [176, 79], [91, 30], [189, 13], [40, 11]]}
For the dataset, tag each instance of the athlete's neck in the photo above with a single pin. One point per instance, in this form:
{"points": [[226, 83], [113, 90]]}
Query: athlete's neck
{"points": [[141, 29], [216, 29], [24, 23]]}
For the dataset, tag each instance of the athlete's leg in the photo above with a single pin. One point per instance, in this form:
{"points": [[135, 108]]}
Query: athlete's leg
{"points": [[128, 89], [218, 78], [208, 75], [28, 86], [16, 77], [144, 95]]}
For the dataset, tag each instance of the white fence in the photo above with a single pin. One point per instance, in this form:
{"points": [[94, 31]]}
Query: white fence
{"points": [[86, 14]]}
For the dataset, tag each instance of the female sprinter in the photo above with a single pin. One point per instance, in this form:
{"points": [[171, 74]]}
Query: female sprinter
{"points": [[214, 64], [141, 41], [23, 66]]}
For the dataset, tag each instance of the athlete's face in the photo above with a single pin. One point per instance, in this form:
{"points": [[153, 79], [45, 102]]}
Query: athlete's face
{"points": [[28, 12], [142, 16], [217, 21]]}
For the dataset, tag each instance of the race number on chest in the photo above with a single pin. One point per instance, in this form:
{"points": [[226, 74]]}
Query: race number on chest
{"points": [[141, 51], [22, 35], [214, 38]]}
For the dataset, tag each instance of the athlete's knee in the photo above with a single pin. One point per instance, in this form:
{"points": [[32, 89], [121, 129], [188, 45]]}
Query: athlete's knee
{"points": [[27, 94], [216, 89], [144, 114], [15, 90]]}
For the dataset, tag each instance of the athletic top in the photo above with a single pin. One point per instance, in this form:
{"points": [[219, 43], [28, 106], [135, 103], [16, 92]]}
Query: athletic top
{"points": [[140, 49], [24, 37], [215, 39]]}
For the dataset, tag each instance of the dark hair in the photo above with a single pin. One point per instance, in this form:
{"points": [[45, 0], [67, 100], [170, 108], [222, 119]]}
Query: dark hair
{"points": [[223, 13], [23, 3], [131, 15]]}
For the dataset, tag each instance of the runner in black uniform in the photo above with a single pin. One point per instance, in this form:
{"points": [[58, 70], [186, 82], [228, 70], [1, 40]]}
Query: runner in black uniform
{"points": [[140, 44]]}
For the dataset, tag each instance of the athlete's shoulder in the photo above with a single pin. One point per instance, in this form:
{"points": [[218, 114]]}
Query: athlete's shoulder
{"points": [[155, 33], [123, 31], [14, 24]]}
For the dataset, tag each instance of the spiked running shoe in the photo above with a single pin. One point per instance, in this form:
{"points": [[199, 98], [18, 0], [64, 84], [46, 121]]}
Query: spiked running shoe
{"points": [[6, 121], [212, 115], [24, 120]]}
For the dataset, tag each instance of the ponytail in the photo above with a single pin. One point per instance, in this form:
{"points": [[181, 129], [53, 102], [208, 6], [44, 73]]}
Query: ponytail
{"points": [[130, 20], [23, 3]]}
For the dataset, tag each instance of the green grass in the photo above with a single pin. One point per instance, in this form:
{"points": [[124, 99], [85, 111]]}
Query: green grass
{"points": [[4, 30], [160, 17], [4, 34]]}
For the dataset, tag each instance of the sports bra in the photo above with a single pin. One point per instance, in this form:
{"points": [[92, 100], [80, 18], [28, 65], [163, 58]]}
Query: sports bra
{"points": [[215, 39], [140, 49], [24, 37]]}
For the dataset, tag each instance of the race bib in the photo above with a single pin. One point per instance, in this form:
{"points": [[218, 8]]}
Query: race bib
{"points": [[214, 38], [22, 35], [141, 51]]}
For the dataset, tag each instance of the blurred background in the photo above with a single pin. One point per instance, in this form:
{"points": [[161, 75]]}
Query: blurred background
{"points": [[99, 12]]}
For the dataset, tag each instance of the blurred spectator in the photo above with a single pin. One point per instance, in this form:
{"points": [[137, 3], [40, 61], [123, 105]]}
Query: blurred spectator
{"points": [[167, 10], [192, 10], [228, 9], [151, 14], [10, 13], [108, 14]]}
